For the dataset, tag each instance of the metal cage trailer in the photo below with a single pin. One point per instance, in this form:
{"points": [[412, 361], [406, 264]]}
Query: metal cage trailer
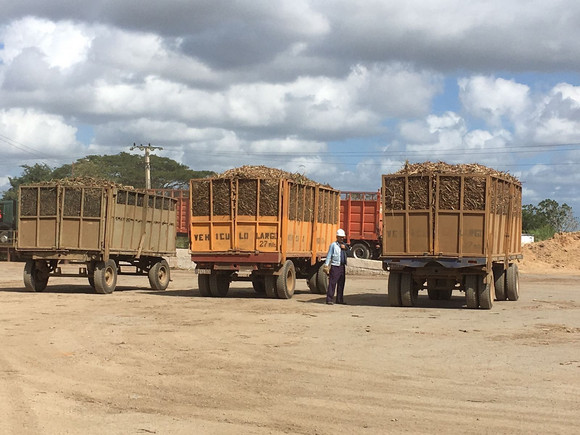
{"points": [[106, 229], [267, 231], [444, 232]]}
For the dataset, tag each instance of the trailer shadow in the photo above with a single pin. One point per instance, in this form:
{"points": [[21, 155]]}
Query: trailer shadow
{"points": [[380, 300], [70, 289]]}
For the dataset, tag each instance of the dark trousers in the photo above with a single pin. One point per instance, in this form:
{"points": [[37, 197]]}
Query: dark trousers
{"points": [[336, 280]]}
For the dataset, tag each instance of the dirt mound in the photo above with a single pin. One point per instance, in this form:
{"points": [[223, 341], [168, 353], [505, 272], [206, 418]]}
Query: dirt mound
{"points": [[446, 168], [561, 253]]}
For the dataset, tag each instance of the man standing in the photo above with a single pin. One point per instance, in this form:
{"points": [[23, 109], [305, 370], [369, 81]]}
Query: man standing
{"points": [[335, 266]]}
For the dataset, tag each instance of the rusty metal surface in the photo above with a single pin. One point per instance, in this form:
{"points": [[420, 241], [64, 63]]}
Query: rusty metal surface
{"points": [[464, 215], [73, 219]]}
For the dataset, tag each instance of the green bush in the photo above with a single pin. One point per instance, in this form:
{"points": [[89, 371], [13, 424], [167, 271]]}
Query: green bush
{"points": [[545, 232]]}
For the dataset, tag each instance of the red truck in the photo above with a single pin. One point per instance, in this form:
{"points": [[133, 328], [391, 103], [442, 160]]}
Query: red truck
{"points": [[361, 219]]}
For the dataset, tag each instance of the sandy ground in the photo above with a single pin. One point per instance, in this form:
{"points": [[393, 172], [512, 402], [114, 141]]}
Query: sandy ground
{"points": [[142, 362]]}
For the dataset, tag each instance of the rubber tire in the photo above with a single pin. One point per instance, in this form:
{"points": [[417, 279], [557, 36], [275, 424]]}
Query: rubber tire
{"points": [[105, 276], [159, 275], [203, 285], [321, 280], [270, 286], [394, 289], [407, 291], [219, 285], [444, 295], [286, 281], [33, 277], [485, 292], [259, 284], [513, 282], [499, 277], [360, 250], [433, 294], [471, 291]]}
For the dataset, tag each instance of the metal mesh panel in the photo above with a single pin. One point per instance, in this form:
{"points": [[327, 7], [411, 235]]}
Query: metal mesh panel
{"points": [[200, 198], [72, 201], [92, 203], [247, 197], [29, 201], [269, 197], [449, 189], [48, 201], [221, 197]]}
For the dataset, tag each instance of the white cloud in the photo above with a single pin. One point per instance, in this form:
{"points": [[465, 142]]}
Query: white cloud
{"points": [[35, 135], [62, 44], [492, 98]]}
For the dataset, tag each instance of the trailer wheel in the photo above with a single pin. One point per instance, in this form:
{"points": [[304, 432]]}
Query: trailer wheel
{"points": [[36, 274], [321, 280], [159, 275], [394, 289], [485, 291], [270, 286], [203, 285], [407, 291], [471, 291], [219, 284], [286, 281], [360, 250], [513, 282], [499, 277], [259, 284], [105, 276]]}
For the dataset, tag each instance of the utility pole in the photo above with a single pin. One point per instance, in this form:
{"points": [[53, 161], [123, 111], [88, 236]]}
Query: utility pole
{"points": [[147, 149]]}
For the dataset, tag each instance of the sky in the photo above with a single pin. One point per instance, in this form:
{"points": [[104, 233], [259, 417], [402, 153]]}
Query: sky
{"points": [[341, 91]]}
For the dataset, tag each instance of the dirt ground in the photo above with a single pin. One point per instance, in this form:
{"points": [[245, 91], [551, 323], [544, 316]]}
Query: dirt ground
{"points": [[144, 362]]}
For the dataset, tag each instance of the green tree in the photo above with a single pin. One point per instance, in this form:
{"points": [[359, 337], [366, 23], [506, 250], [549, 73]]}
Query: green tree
{"points": [[129, 169], [30, 174], [122, 168], [548, 218]]}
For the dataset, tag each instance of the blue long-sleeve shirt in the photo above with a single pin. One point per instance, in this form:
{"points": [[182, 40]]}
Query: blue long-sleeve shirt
{"points": [[336, 256]]}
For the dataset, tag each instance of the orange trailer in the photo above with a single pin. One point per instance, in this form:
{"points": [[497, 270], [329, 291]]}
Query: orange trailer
{"points": [[268, 231]]}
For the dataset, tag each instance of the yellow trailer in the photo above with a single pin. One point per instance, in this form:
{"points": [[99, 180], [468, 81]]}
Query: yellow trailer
{"points": [[268, 231]]}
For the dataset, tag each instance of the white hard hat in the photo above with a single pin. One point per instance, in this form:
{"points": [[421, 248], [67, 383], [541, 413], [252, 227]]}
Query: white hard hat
{"points": [[340, 233]]}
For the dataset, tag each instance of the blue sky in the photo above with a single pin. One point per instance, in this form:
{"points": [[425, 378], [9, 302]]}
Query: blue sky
{"points": [[341, 91]]}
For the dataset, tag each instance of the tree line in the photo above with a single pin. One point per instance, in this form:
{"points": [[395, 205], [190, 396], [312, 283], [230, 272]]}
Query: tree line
{"points": [[123, 168], [547, 218]]}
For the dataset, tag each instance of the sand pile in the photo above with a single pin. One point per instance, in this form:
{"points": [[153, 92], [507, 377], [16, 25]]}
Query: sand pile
{"points": [[561, 253]]}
